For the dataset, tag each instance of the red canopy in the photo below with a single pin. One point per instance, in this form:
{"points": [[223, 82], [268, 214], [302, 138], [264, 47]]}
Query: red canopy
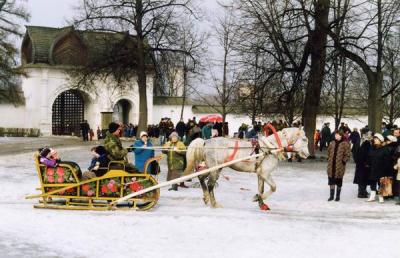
{"points": [[211, 119]]}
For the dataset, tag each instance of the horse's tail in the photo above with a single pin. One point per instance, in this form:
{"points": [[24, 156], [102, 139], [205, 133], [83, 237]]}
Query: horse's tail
{"points": [[194, 155]]}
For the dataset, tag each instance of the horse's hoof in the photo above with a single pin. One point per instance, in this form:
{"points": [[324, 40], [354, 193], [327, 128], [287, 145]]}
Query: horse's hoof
{"points": [[264, 207], [216, 205]]}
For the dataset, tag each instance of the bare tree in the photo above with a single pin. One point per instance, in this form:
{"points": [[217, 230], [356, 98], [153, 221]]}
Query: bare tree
{"points": [[391, 79], [11, 14], [183, 72], [224, 86], [370, 23], [288, 22], [151, 21]]}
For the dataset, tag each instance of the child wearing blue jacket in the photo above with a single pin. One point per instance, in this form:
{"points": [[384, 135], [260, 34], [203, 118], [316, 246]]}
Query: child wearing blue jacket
{"points": [[142, 154]]}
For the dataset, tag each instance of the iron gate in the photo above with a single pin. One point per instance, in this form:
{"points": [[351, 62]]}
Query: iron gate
{"points": [[67, 115]]}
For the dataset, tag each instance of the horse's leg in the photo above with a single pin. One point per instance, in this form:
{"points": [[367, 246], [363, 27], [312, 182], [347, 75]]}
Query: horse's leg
{"points": [[272, 186], [268, 165], [206, 194], [211, 184], [260, 181]]}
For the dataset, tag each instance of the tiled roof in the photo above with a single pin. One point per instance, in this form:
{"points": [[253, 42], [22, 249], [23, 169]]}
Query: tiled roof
{"points": [[97, 43]]}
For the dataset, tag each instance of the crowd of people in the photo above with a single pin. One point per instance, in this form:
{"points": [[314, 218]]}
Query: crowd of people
{"points": [[186, 131], [376, 156]]}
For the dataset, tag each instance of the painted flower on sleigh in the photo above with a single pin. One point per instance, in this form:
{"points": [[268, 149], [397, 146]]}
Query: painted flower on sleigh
{"points": [[60, 171], [109, 187], [85, 188], [50, 172], [50, 179], [60, 179], [104, 189], [90, 193], [135, 187]]}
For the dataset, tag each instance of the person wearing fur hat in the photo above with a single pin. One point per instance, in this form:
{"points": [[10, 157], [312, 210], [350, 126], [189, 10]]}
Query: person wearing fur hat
{"points": [[378, 162], [113, 146], [362, 168], [338, 155], [175, 151], [142, 154]]}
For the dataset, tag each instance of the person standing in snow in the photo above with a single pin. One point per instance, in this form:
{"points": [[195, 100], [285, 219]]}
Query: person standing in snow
{"points": [[325, 136], [338, 155], [175, 151], [378, 158], [362, 167]]}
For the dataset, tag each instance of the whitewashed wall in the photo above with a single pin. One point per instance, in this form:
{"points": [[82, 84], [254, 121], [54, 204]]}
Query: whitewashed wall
{"points": [[42, 86]]}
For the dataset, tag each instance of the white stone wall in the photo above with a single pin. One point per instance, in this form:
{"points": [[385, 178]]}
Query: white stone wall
{"points": [[42, 86]]}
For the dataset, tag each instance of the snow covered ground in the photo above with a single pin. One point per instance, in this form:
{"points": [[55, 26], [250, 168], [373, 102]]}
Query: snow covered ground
{"points": [[301, 223]]}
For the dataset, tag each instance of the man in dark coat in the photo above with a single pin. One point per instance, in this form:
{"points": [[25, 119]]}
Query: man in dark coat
{"points": [[180, 129], [362, 172], [355, 141], [85, 130], [325, 136]]}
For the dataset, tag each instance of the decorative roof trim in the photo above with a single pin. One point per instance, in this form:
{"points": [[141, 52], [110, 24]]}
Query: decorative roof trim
{"points": [[70, 30]]}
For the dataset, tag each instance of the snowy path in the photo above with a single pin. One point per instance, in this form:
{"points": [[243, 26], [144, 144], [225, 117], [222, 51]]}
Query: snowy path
{"points": [[301, 223]]}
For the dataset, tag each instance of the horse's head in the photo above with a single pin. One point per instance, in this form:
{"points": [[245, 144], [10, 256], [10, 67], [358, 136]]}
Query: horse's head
{"points": [[298, 139]]}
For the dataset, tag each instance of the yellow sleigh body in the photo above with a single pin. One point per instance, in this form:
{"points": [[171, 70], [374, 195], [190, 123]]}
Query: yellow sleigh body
{"points": [[61, 188]]}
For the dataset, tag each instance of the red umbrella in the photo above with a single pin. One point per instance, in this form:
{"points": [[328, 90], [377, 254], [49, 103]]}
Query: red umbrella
{"points": [[211, 119]]}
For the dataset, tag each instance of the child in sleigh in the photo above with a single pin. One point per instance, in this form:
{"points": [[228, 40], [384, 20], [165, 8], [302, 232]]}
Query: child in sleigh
{"points": [[50, 158]]}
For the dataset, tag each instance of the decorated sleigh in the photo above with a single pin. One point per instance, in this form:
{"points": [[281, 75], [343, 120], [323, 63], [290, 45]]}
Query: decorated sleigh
{"points": [[61, 188]]}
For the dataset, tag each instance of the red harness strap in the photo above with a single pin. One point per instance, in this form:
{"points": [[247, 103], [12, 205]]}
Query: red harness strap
{"points": [[235, 150], [278, 140]]}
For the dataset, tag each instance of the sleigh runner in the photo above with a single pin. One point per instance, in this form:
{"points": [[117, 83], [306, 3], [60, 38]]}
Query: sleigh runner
{"points": [[61, 188]]}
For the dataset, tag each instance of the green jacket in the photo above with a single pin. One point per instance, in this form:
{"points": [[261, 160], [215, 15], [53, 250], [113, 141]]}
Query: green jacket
{"points": [[114, 147], [176, 159]]}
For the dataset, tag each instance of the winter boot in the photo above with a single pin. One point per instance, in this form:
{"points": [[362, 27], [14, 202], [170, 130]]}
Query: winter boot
{"points": [[362, 192], [332, 194], [372, 196], [380, 198], [398, 200], [174, 187], [338, 190]]}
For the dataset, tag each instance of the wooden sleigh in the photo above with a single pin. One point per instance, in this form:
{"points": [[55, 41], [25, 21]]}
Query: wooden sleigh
{"points": [[61, 188]]}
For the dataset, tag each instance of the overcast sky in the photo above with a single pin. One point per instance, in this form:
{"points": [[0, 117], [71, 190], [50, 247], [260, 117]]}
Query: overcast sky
{"points": [[56, 13], [52, 13]]}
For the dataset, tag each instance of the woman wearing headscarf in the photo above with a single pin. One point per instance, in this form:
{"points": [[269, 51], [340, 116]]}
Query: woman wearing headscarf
{"points": [[338, 155], [176, 153]]}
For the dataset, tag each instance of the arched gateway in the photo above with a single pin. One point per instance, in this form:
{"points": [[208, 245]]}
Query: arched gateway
{"points": [[68, 112]]}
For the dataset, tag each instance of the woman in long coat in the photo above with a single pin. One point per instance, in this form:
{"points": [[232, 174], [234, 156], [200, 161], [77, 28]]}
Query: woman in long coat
{"points": [[378, 162], [362, 172], [338, 155]]}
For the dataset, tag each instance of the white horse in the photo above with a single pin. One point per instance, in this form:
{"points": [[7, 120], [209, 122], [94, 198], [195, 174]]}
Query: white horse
{"points": [[219, 150]]}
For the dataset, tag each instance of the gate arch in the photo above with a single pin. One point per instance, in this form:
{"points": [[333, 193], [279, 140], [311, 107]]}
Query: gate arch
{"points": [[67, 113]]}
